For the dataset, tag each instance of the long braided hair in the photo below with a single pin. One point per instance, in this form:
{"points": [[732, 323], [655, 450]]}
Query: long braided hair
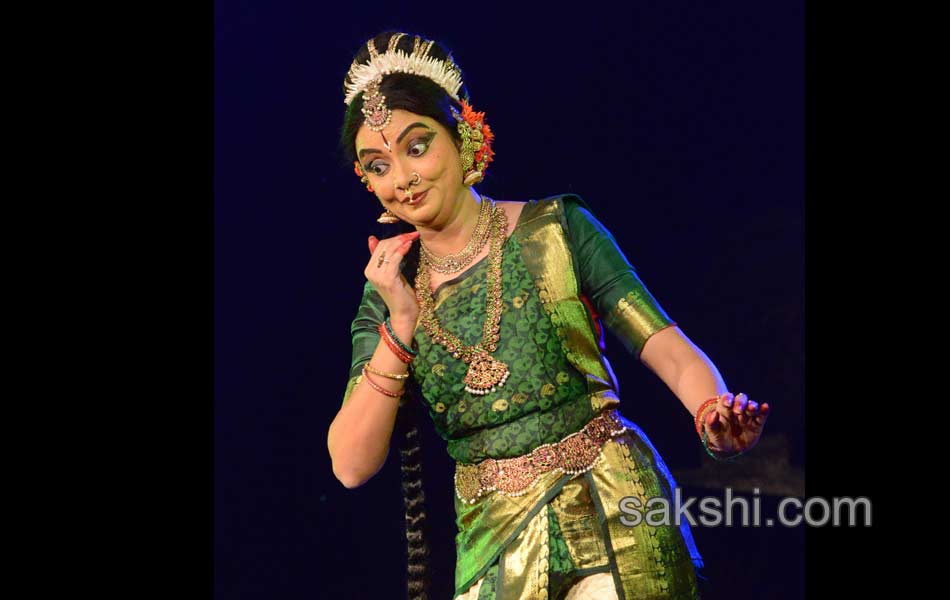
{"points": [[421, 96]]}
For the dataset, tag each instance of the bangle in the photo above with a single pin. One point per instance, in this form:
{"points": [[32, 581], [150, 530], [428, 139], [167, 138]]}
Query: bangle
{"points": [[384, 333], [379, 388], [396, 376], [406, 348], [710, 452], [698, 420]]}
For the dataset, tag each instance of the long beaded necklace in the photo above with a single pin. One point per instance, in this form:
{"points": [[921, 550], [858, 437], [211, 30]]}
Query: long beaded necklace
{"points": [[452, 263], [485, 374]]}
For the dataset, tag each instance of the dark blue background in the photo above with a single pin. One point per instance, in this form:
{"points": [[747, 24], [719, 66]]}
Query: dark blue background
{"points": [[680, 123]]}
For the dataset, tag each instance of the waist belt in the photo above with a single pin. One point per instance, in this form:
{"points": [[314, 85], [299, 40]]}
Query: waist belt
{"points": [[576, 453]]}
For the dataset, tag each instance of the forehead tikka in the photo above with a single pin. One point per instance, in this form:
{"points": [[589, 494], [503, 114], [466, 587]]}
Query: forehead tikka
{"points": [[375, 111]]}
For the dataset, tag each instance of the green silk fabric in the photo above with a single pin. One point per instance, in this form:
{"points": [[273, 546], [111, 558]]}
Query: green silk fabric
{"points": [[544, 398]]}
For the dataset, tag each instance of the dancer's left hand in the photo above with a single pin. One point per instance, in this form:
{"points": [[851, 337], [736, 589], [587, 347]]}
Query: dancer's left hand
{"points": [[736, 424]]}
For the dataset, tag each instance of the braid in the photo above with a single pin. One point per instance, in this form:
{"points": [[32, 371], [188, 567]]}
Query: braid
{"points": [[434, 103], [410, 454]]}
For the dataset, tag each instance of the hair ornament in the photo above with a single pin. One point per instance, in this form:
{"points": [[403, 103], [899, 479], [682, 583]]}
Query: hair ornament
{"points": [[445, 73], [477, 138]]}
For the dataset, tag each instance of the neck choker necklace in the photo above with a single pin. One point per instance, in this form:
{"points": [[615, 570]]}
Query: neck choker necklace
{"points": [[453, 263]]}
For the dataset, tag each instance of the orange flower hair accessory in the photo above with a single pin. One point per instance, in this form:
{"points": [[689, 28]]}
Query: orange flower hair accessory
{"points": [[477, 138]]}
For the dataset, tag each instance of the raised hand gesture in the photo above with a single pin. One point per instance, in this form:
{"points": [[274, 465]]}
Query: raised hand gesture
{"points": [[735, 424]]}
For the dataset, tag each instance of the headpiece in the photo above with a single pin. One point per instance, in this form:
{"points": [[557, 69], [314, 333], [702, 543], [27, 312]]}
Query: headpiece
{"points": [[367, 77]]}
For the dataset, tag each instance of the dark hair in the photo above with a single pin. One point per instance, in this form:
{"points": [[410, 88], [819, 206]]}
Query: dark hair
{"points": [[422, 96]]}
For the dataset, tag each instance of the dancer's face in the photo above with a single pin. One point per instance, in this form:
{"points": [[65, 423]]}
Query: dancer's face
{"points": [[417, 144]]}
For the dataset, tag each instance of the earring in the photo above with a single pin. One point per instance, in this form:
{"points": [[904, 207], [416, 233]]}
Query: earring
{"points": [[362, 176], [473, 177], [387, 217]]}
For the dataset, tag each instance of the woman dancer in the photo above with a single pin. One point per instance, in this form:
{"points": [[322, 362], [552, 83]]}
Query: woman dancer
{"points": [[489, 314]]}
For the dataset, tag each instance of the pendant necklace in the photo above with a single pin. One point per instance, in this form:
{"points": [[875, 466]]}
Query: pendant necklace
{"points": [[485, 374]]}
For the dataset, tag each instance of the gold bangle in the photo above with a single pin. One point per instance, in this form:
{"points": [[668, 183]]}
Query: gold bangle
{"points": [[379, 388], [395, 376]]}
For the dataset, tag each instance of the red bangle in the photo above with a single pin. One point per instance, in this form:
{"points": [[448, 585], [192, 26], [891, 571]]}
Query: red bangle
{"points": [[393, 344], [379, 388], [399, 352], [699, 414]]}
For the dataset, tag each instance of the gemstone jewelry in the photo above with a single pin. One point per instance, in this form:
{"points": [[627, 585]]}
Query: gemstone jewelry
{"points": [[577, 453], [453, 263], [485, 374]]}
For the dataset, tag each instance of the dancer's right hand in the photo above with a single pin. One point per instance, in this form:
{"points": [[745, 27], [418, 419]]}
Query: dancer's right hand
{"points": [[388, 280]]}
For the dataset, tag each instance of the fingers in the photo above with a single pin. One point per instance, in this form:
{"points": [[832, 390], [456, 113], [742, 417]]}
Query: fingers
{"points": [[713, 422], [744, 411], [406, 241], [731, 411], [739, 404], [386, 256], [736, 423], [724, 434], [751, 420], [754, 412], [726, 409], [392, 244], [715, 429]]}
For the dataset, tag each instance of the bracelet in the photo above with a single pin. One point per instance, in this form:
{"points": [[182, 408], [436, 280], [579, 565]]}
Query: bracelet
{"points": [[710, 452], [698, 420], [389, 328], [384, 333], [380, 389], [396, 376]]}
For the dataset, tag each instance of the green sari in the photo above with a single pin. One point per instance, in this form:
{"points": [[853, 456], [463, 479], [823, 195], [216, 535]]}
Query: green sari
{"points": [[562, 269]]}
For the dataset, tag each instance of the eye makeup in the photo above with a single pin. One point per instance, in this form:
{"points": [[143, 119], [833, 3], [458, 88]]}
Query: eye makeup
{"points": [[423, 140]]}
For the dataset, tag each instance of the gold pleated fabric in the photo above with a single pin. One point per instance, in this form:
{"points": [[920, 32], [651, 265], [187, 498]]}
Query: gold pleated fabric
{"points": [[648, 561]]}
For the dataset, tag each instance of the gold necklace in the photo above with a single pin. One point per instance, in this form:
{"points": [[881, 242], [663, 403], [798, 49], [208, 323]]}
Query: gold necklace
{"points": [[452, 263], [485, 374]]}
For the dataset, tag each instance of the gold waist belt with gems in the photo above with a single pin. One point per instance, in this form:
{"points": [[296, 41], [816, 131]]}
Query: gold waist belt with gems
{"points": [[576, 453]]}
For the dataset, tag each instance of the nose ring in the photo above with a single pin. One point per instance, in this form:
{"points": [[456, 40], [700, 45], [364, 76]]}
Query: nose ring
{"points": [[416, 179]]}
